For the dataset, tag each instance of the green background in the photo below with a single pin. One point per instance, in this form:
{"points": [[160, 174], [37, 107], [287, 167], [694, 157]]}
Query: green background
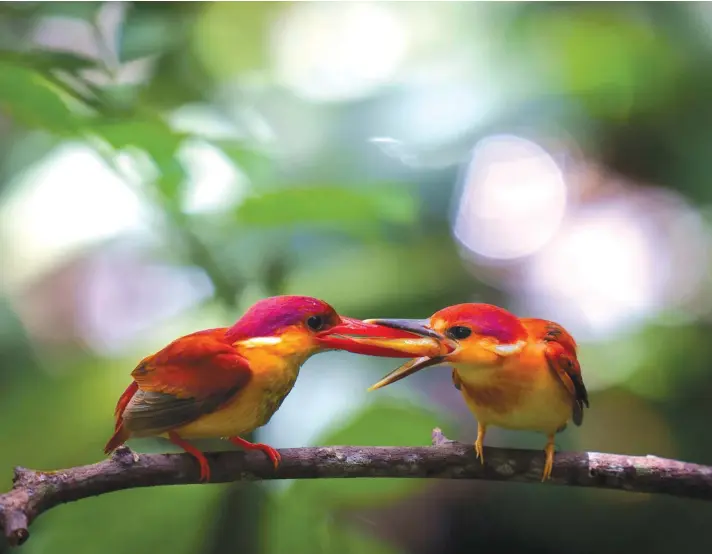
{"points": [[318, 208]]}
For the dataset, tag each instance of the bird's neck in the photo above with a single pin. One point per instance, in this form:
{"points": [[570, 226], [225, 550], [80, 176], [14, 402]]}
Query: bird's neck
{"points": [[506, 372], [475, 374], [284, 353]]}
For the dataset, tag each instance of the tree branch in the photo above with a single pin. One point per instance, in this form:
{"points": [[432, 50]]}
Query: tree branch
{"points": [[35, 492]]}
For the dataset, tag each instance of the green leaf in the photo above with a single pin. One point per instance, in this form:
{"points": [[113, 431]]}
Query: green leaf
{"points": [[116, 98], [328, 206], [157, 140], [173, 175], [75, 10], [152, 135], [178, 79], [253, 162], [32, 98], [383, 423], [46, 60]]}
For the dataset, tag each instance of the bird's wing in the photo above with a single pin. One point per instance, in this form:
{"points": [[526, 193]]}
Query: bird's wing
{"points": [[190, 377], [563, 360], [561, 354], [567, 367]]}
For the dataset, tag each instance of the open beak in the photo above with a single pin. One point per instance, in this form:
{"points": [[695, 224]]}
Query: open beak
{"points": [[418, 327], [448, 346], [372, 339], [406, 369]]}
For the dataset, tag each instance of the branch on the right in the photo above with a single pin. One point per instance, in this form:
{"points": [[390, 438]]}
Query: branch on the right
{"points": [[649, 474]]}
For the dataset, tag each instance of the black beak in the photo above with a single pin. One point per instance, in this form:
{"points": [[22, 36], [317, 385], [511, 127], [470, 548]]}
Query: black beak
{"points": [[417, 326]]}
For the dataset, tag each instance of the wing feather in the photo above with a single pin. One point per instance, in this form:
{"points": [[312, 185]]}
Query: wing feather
{"points": [[189, 378], [563, 360], [567, 367]]}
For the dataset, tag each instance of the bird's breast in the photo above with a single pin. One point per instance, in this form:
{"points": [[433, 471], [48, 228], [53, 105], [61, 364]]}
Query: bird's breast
{"points": [[273, 394], [524, 399], [494, 397], [250, 408]]}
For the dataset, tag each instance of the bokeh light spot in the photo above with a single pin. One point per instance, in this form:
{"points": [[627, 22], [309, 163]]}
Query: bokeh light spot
{"points": [[513, 199], [331, 52], [67, 201]]}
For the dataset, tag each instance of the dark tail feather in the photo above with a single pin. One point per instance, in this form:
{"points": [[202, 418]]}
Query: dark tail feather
{"points": [[119, 437], [123, 402], [578, 412]]}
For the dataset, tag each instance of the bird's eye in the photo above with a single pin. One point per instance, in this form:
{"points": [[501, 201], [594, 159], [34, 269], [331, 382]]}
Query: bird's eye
{"points": [[459, 332], [315, 322]]}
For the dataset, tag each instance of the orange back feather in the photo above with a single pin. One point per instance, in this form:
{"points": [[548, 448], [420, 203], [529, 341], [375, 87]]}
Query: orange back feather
{"points": [[562, 356]]}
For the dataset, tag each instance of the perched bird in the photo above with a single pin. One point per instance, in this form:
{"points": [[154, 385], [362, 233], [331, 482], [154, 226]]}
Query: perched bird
{"points": [[229, 381], [513, 373]]}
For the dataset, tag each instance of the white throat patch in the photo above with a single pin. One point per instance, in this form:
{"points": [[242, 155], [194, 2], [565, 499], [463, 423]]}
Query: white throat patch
{"points": [[260, 341]]}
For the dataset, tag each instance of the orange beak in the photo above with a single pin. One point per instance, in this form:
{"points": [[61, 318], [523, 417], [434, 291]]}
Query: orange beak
{"points": [[371, 339]]}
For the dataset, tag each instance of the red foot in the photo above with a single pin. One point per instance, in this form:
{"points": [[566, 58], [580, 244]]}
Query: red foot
{"points": [[197, 454], [273, 455]]}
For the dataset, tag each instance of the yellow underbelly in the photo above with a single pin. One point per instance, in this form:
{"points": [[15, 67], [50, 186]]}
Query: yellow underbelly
{"points": [[540, 403], [251, 408]]}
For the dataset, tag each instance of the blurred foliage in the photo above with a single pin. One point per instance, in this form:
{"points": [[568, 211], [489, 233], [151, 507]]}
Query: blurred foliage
{"points": [[368, 233], [133, 122], [306, 518], [398, 425], [340, 208]]}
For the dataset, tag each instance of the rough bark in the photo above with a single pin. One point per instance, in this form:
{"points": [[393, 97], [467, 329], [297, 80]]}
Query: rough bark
{"points": [[35, 492]]}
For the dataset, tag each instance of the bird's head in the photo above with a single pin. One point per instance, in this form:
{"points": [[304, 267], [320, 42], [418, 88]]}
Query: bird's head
{"points": [[301, 326], [474, 335]]}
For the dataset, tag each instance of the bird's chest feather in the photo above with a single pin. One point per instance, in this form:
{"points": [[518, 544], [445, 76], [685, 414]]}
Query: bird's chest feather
{"points": [[273, 393], [525, 398], [253, 406]]}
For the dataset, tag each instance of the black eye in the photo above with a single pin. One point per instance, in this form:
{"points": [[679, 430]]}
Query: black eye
{"points": [[459, 332], [315, 322]]}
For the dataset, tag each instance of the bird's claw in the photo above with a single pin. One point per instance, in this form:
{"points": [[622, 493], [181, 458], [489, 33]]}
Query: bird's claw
{"points": [[479, 452], [204, 470], [176, 439], [549, 463], [272, 454]]}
